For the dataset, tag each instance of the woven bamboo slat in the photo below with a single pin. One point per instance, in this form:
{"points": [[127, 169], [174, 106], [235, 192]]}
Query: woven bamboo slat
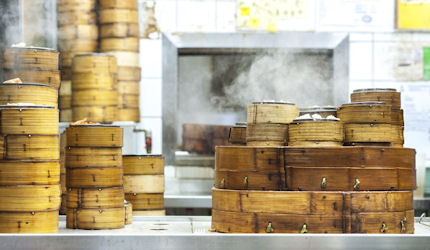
{"points": [[129, 74], [128, 101], [88, 81], [94, 63], [77, 45], [78, 17], [28, 120], [29, 173], [66, 88], [38, 94], [71, 32], [144, 183], [128, 115], [128, 213], [372, 133], [65, 102], [237, 135], [143, 164], [149, 212], [94, 136], [30, 58], [315, 133], [128, 87], [397, 117], [29, 222], [118, 4], [31, 147], [94, 177], [322, 111], [145, 201], [74, 5], [267, 134], [96, 97], [389, 96], [83, 157], [118, 16], [272, 112], [66, 115], [48, 77], [24, 198], [119, 30], [95, 197], [125, 58], [367, 112], [94, 218]]}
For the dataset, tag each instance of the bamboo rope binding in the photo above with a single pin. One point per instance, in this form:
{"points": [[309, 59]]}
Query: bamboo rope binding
{"points": [[315, 133], [237, 135], [38, 94], [48, 77]]}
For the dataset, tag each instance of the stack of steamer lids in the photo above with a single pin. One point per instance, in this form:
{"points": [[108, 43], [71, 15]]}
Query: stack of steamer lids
{"points": [[144, 184], [119, 36], [77, 34], [95, 194]]}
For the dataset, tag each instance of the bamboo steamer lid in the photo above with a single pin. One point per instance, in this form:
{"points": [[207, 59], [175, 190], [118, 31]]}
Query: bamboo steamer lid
{"points": [[132, 114], [389, 96], [129, 74], [31, 147], [308, 132], [118, 4], [34, 120], [95, 62], [102, 114], [94, 136], [143, 164], [29, 222], [83, 157], [72, 32], [66, 88], [30, 58], [144, 183], [29, 173], [48, 77], [88, 81], [125, 58], [118, 16], [66, 115], [76, 5], [261, 134], [128, 87], [95, 197], [128, 101], [397, 117], [94, 177], [34, 198], [38, 94], [322, 111], [77, 17], [237, 134], [149, 212], [128, 213], [94, 218], [78, 45], [120, 44], [272, 112], [371, 133], [66, 73], [96, 97], [119, 30], [365, 112], [145, 201]]}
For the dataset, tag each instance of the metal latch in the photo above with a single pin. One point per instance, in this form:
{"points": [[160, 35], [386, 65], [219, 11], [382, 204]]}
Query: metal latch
{"points": [[323, 182], [383, 227], [304, 229], [357, 184], [269, 228], [245, 181]]}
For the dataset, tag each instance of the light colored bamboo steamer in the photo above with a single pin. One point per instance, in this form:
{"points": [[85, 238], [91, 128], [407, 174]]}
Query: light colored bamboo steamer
{"points": [[94, 218], [34, 198], [96, 97], [66, 57], [128, 115], [76, 5], [129, 74], [237, 135], [160, 212], [120, 44], [72, 32], [128, 101], [48, 77], [262, 134], [145, 201], [38, 94], [77, 45], [143, 164], [66, 88], [29, 222], [118, 16], [272, 112], [94, 177], [77, 17], [34, 120], [128, 87], [66, 115], [88, 81], [125, 58], [31, 147], [29, 173], [65, 102], [118, 4], [389, 96], [30, 58], [322, 111], [371, 133], [94, 136], [397, 117], [144, 183], [95, 197], [365, 112], [102, 114], [128, 213], [83, 157], [66, 73], [119, 30], [94, 63], [315, 132]]}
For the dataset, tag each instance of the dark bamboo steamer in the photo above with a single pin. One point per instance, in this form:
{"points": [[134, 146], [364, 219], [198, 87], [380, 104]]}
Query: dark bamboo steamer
{"points": [[128, 88], [237, 135], [30, 58], [29, 222], [118, 16], [94, 136], [322, 111], [143, 164], [397, 117], [202, 138], [66, 73], [266, 134], [34, 198], [129, 74], [158, 212], [95, 197], [77, 17], [29, 172], [125, 58], [88, 81], [38, 94], [94, 63], [83, 157], [72, 32], [63, 181], [94, 177], [78, 45], [96, 97], [63, 205], [389, 96], [128, 101], [48, 77], [251, 180], [315, 133], [94, 218], [145, 201], [65, 102], [128, 213], [120, 44], [118, 4], [102, 114], [31, 147], [371, 133], [272, 112], [365, 112], [132, 114], [119, 30], [144, 183], [76, 5], [34, 120], [66, 115]]}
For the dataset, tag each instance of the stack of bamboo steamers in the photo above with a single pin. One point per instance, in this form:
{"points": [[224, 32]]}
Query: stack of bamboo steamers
{"points": [[317, 185], [30, 193]]}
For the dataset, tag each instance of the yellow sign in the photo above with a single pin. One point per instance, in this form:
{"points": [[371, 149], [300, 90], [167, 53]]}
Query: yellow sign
{"points": [[413, 14]]}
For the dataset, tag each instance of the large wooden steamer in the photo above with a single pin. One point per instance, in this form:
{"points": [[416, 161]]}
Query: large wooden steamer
{"points": [[202, 138]]}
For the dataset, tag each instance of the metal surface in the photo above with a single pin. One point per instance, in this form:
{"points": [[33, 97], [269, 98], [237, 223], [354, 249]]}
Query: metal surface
{"points": [[188, 201]]}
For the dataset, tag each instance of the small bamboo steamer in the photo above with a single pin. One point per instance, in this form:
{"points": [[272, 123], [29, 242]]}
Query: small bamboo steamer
{"points": [[272, 112], [389, 96], [94, 177], [34, 198], [371, 133], [365, 112], [94, 63], [143, 164], [66, 88], [77, 17], [95, 197], [30, 58], [128, 115], [88, 81], [29, 222], [397, 117], [145, 201], [96, 97], [119, 30], [322, 111], [77, 45], [31, 147], [125, 58], [237, 135], [94, 218], [120, 44], [94, 136], [102, 114], [128, 87], [161, 212], [128, 101], [65, 102], [29, 173], [118, 16], [83, 157], [38, 94], [76, 5], [48, 77], [129, 74], [34, 120], [308, 133], [72, 32], [118, 4], [268, 134], [66, 73], [66, 115], [144, 183], [128, 213]]}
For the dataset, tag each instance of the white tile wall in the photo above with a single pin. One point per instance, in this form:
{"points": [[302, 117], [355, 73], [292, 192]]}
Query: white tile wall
{"points": [[165, 13], [226, 15], [150, 61], [360, 60], [196, 15]]}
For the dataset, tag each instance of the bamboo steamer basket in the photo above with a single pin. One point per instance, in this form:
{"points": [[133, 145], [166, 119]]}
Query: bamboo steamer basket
{"points": [[128, 88], [128, 101], [72, 32], [34, 198], [272, 112], [94, 63], [95, 197], [119, 30], [118, 16], [129, 74], [34, 120], [66, 115], [118, 4], [312, 212], [128, 115], [66, 73], [63, 208], [66, 88], [66, 58], [143, 164], [145, 201], [161, 212], [397, 117], [94, 177], [365, 112], [266, 134], [96, 97], [83, 157], [77, 17], [77, 45], [94, 218], [389, 96], [31, 147], [202, 138], [125, 58], [48, 77], [120, 44], [38, 94], [94, 136], [63, 181], [144, 183], [128, 213], [315, 133], [102, 114], [322, 111], [30, 58], [29, 173], [237, 135], [29, 222], [76, 5], [88, 81], [65, 102], [372, 133]]}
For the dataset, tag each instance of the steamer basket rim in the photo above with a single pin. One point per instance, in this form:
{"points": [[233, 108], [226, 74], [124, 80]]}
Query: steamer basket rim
{"points": [[374, 90]]}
